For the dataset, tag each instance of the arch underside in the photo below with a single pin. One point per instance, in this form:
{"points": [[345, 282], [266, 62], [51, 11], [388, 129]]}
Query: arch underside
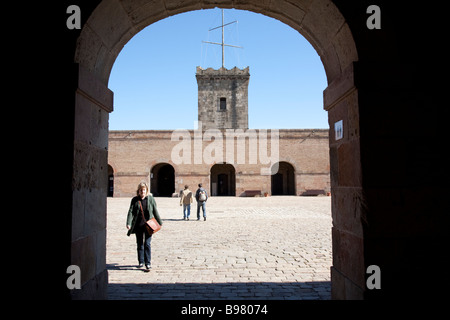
{"points": [[115, 22]]}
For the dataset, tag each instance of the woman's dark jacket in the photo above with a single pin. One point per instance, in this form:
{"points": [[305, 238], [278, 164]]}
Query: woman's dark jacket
{"points": [[135, 210]]}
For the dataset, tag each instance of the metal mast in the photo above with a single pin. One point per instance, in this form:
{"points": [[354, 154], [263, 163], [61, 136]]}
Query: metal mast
{"points": [[223, 39]]}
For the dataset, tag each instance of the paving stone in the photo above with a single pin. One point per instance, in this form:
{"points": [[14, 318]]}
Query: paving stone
{"points": [[275, 248]]}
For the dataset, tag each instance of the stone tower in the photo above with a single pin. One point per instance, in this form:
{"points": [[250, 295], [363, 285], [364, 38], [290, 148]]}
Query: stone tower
{"points": [[223, 98]]}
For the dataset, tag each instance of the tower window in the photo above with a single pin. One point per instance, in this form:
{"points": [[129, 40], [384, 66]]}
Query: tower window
{"points": [[223, 104]]}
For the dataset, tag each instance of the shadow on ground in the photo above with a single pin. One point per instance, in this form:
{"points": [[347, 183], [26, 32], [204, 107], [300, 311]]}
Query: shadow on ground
{"points": [[221, 291]]}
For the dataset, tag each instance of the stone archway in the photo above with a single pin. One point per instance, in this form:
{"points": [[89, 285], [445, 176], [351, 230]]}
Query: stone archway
{"points": [[109, 28], [223, 180], [162, 180], [283, 182]]}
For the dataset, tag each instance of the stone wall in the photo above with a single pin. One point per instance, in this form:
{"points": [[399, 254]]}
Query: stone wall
{"points": [[230, 85], [93, 102]]}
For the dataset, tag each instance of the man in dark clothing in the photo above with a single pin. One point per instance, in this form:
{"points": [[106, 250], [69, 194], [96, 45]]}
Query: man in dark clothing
{"points": [[201, 196]]}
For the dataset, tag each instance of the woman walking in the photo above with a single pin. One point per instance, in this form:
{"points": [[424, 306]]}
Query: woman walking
{"points": [[143, 206]]}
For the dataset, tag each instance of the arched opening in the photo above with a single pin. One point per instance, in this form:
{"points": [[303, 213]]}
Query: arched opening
{"points": [[109, 28], [283, 182], [223, 180], [162, 180]]}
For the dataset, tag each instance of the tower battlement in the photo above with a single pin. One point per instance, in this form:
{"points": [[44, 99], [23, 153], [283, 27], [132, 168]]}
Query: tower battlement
{"points": [[222, 71], [223, 97]]}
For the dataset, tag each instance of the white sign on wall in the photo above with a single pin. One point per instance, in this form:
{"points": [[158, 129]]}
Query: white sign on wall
{"points": [[339, 130]]}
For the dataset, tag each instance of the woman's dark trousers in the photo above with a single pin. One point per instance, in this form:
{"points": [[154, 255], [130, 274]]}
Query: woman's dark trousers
{"points": [[144, 250]]}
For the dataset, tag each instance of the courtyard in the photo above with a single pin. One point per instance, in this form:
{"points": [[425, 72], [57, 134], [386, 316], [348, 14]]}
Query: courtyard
{"points": [[275, 247]]}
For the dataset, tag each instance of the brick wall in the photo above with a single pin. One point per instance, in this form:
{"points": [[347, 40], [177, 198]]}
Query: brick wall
{"points": [[133, 154]]}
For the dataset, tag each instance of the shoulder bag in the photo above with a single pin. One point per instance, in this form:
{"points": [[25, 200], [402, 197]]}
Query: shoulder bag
{"points": [[152, 226]]}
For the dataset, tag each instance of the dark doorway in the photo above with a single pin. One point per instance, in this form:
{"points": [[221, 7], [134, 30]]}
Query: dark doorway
{"points": [[283, 182], [162, 180], [277, 184], [222, 185], [223, 180], [110, 181]]}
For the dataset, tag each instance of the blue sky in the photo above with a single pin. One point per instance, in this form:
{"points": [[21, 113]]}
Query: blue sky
{"points": [[154, 84]]}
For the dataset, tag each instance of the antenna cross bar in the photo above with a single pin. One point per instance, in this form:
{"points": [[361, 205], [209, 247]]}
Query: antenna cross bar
{"points": [[223, 40]]}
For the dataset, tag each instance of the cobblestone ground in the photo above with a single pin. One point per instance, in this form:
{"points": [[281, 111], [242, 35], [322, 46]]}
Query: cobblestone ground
{"points": [[248, 248]]}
